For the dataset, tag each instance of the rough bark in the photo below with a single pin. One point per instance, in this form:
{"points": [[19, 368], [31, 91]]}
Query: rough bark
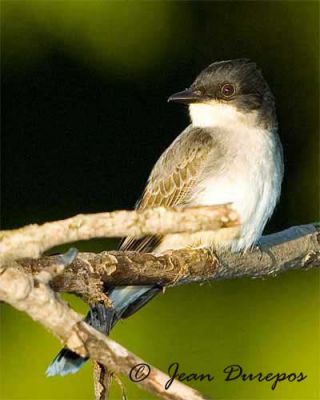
{"points": [[294, 248], [33, 296], [33, 240]]}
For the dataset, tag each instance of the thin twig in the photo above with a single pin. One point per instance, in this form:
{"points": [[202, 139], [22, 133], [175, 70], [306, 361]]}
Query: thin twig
{"points": [[102, 379]]}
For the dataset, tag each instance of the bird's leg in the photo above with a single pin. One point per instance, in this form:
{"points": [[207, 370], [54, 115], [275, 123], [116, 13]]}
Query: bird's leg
{"points": [[263, 250]]}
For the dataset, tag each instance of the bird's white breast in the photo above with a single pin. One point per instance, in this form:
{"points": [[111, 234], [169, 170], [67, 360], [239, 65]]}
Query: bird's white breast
{"points": [[250, 176]]}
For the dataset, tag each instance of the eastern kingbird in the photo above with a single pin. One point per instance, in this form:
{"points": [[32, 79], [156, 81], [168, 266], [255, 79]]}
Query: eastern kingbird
{"points": [[230, 153]]}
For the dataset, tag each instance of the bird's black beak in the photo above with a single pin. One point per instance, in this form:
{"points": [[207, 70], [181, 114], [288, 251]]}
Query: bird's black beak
{"points": [[187, 96]]}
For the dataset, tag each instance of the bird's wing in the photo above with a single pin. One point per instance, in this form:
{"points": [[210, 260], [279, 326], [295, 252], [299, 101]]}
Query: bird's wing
{"points": [[172, 180]]}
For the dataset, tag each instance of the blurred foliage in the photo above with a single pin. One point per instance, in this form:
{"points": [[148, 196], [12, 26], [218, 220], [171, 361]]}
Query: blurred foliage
{"points": [[84, 84], [99, 33]]}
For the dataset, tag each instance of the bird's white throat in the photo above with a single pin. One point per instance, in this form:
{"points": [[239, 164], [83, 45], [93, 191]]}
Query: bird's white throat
{"points": [[219, 114]]}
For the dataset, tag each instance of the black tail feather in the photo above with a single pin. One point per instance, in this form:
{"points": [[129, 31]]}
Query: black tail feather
{"points": [[68, 362]]}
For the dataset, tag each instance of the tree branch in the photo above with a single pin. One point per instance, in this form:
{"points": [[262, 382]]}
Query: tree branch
{"points": [[33, 240], [34, 297], [294, 248], [27, 283]]}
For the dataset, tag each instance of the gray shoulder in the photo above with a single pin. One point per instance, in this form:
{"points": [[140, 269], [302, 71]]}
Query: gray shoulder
{"points": [[194, 143]]}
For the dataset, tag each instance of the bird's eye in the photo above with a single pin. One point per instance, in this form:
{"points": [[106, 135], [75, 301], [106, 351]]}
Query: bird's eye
{"points": [[227, 90]]}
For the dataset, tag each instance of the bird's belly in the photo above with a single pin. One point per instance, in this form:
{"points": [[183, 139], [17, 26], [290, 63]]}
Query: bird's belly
{"points": [[236, 189], [253, 196], [215, 191], [228, 189]]}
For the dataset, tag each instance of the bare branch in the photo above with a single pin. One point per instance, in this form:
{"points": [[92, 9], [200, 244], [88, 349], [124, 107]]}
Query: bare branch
{"points": [[24, 282], [34, 297], [297, 247], [33, 240]]}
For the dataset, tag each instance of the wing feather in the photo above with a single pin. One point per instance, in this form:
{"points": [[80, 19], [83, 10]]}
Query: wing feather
{"points": [[172, 180]]}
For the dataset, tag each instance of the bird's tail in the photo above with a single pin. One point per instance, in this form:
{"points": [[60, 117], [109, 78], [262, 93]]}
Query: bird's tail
{"points": [[125, 301], [68, 362]]}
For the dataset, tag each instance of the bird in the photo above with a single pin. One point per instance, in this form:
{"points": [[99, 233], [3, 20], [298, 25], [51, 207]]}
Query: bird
{"points": [[229, 153]]}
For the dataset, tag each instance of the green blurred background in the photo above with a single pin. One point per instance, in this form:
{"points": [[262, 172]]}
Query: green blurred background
{"points": [[84, 118]]}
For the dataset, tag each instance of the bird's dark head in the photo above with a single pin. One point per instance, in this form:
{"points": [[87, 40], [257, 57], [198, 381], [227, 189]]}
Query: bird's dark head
{"points": [[228, 85]]}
